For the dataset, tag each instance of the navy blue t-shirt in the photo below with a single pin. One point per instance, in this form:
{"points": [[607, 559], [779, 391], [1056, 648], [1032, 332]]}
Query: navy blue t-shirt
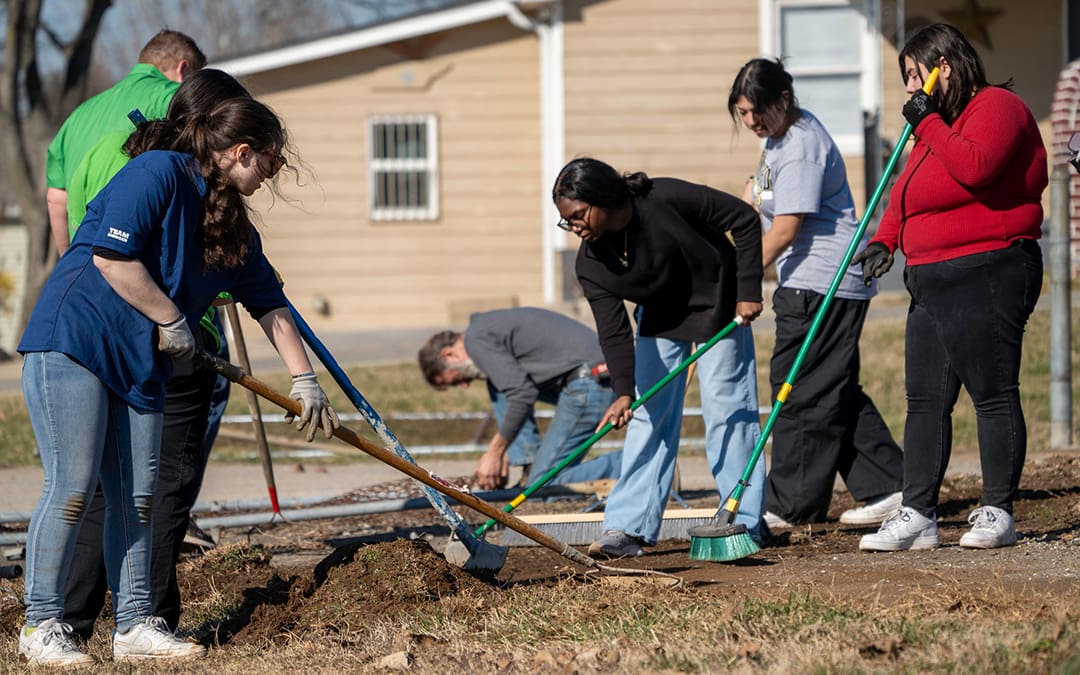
{"points": [[150, 211]]}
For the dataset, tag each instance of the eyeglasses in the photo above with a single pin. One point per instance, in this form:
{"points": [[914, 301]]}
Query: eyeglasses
{"points": [[567, 224], [275, 162]]}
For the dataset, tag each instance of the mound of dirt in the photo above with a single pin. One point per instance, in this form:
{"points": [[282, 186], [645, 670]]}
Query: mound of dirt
{"points": [[354, 582]]}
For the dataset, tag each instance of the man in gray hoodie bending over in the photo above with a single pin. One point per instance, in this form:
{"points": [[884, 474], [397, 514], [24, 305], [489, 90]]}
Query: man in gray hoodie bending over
{"points": [[528, 354]]}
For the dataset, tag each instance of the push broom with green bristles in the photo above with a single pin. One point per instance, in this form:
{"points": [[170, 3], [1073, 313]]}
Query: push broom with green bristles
{"points": [[722, 539]]}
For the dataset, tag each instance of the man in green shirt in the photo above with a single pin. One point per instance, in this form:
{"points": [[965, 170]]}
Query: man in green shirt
{"points": [[163, 63]]}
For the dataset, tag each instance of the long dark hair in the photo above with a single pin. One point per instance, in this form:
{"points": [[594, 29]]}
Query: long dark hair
{"points": [[226, 229], [927, 46], [599, 184], [763, 83]]}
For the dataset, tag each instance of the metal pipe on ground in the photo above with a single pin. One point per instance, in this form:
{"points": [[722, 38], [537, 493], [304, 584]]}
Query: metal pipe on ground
{"points": [[293, 514]]}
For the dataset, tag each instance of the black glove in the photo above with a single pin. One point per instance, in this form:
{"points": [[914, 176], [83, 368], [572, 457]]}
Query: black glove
{"points": [[919, 107], [876, 261]]}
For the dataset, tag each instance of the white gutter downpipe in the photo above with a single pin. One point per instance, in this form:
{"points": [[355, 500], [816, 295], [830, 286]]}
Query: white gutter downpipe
{"points": [[552, 129]]}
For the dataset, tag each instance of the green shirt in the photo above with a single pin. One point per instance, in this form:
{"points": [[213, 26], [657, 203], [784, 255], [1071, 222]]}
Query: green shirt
{"points": [[145, 88], [98, 166]]}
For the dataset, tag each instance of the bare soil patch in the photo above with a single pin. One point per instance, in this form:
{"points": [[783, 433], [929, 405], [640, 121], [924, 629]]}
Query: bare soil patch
{"points": [[374, 594]]}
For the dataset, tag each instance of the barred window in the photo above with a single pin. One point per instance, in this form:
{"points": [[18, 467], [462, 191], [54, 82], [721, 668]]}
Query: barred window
{"points": [[404, 167]]}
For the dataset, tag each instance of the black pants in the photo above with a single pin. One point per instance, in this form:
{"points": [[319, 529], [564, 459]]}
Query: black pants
{"points": [[180, 473], [965, 327], [828, 425]]}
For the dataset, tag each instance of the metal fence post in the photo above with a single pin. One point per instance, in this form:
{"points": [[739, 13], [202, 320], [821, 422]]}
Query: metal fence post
{"points": [[1061, 435]]}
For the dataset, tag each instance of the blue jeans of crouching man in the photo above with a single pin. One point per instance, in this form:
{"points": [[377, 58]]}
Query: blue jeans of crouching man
{"points": [[965, 327], [579, 405], [85, 432]]}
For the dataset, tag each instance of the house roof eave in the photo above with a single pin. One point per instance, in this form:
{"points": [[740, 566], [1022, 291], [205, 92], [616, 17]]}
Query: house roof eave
{"points": [[364, 38]]}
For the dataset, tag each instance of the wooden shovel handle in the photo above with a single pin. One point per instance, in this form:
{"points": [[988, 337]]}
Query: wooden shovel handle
{"points": [[237, 375]]}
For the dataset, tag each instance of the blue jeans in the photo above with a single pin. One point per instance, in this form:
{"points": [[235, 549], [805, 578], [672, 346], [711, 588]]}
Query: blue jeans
{"points": [[85, 432], [727, 378], [579, 405], [965, 327]]}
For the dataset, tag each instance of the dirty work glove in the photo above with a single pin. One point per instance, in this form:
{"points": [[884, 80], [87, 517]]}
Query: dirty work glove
{"points": [[175, 339], [316, 411], [876, 261], [918, 107]]}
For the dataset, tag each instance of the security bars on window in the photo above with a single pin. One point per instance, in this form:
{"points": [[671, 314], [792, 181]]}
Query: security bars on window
{"points": [[404, 167]]}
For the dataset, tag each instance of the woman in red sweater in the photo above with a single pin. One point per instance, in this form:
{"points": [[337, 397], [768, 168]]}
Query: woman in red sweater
{"points": [[966, 212]]}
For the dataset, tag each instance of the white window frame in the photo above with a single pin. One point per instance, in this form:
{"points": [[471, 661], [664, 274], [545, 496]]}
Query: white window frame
{"points": [[428, 165], [868, 69]]}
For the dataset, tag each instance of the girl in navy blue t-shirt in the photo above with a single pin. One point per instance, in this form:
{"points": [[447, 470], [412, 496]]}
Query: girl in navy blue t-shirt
{"points": [[158, 244]]}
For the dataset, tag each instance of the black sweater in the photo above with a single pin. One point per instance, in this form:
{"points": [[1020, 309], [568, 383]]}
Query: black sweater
{"points": [[683, 271]]}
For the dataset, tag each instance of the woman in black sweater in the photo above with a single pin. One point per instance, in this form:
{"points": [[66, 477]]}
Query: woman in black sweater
{"points": [[666, 245]]}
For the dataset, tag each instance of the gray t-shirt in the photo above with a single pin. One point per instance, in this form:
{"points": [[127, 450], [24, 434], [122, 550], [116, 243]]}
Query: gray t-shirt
{"points": [[803, 172], [526, 349]]}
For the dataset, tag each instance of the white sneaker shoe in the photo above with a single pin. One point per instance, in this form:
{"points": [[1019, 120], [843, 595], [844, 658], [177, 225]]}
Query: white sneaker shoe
{"points": [[991, 528], [775, 522], [904, 529], [873, 513], [152, 639], [50, 644]]}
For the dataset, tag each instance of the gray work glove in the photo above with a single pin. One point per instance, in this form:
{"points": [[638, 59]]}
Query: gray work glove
{"points": [[315, 408], [175, 339]]}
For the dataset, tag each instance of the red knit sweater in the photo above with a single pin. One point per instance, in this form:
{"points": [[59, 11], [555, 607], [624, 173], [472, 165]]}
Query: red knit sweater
{"points": [[970, 188]]}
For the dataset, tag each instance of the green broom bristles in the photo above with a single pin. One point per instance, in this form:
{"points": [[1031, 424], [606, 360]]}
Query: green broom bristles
{"points": [[721, 543]]}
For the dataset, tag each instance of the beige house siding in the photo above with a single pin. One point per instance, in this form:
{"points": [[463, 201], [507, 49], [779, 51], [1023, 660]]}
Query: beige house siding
{"points": [[481, 82], [647, 85]]}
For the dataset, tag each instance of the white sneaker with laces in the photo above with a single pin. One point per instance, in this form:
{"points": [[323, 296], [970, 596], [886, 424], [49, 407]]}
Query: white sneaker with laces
{"points": [[152, 639], [775, 522], [873, 513], [50, 644], [991, 528], [904, 529], [616, 544]]}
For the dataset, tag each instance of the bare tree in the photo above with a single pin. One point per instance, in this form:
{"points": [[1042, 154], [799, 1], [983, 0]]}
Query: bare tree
{"points": [[29, 115]]}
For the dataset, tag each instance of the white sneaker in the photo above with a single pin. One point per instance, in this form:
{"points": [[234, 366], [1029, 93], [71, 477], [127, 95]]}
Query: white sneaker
{"points": [[904, 529], [873, 513], [152, 639], [991, 528], [50, 644], [775, 522]]}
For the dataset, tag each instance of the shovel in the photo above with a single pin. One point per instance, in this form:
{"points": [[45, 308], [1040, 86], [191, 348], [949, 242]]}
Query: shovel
{"points": [[465, 549], [256, 414], [238, 376]]}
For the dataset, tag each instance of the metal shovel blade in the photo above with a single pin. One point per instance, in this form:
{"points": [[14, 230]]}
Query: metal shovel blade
{"points": [[474, 555]]}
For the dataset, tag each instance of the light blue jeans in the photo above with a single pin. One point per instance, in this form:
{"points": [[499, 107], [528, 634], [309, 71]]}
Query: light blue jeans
{"points": [[728, 382], [85, 432], [578, 408]]}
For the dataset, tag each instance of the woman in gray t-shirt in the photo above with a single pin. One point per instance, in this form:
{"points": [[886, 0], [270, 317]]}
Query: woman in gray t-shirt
{"points": [[828, 424]]}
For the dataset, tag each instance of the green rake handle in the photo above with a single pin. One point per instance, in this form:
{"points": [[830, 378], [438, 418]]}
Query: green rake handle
{"points": [[727, 512], [602, 431]]}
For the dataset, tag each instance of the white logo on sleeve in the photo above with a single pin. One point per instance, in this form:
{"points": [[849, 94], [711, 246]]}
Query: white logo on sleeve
{"points": [[119, 235]]}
